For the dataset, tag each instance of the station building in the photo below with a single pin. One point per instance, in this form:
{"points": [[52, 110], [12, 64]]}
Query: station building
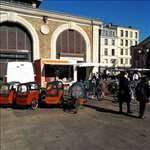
{"points": [[141, 55], [58, 44]]}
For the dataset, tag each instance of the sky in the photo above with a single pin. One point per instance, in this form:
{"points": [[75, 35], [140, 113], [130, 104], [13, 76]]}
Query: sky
{"points": [[135, 13]]}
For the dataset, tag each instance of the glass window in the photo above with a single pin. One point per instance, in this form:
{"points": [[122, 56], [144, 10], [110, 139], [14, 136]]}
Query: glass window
{"points": [[121, 42], [113, 52], [121, 52], [131, 43], [34, 87], [121, 61], [22, 88], [106, 52], [106, 41], [121, 33], [126, 33], [110, 33], [126, 43], [4, 90], [106, 33], [136, 35], [113, 42], [113, 33]]}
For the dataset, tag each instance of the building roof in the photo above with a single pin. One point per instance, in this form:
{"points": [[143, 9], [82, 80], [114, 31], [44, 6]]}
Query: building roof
{"points": [[145, 41], [114, 26], [143, 44], [51, 14], [22, 2]]}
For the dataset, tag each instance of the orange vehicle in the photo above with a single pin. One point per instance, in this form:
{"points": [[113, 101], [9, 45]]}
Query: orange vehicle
{"points": [[53, 94], [28, 95], [8, 93]]}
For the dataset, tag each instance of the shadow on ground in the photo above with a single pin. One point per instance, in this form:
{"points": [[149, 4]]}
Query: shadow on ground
{"points": [[106, 110]]}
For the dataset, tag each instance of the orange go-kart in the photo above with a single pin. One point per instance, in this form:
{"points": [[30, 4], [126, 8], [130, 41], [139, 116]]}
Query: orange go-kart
{"points": [[53, 94], [8, 93], [28, 95]]}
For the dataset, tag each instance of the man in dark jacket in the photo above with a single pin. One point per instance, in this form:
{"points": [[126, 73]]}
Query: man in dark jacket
{"points": [[142, 95], [124, 92]]}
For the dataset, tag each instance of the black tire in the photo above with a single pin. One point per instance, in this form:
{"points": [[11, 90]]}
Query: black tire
{"points": [[34, 104]]}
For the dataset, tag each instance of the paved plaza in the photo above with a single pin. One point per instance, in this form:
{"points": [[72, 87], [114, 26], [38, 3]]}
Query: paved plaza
{"points": [[97, 126]]}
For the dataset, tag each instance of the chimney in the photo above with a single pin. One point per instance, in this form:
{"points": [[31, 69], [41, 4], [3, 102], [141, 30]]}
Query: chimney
{"points": [[34, 5]]}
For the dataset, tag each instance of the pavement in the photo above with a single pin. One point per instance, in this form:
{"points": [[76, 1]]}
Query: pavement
{"points": [[97, 126]]}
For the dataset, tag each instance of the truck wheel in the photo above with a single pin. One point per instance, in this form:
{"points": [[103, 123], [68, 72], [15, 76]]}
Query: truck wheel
{"points": [[34, 104]]}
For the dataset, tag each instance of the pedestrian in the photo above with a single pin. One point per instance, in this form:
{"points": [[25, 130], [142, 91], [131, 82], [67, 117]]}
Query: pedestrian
{"points": [[142, 95], [93, 81], [124, 92], [135, 76]]}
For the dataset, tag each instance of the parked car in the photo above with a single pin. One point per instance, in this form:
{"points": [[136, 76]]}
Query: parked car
{"points": [[8, 93], [53, 93], [28, 95]]}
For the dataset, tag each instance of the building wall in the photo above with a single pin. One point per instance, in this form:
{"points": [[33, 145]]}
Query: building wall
{"points": [[43, 44], [141, 54], [122, 45], [131, 40], [106, 59]]}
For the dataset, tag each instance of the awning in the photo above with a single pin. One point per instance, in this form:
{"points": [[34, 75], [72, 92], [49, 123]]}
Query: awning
{"points": [[88, 64], [58, 62]]}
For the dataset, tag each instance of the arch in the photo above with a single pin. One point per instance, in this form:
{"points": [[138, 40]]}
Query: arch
{"points": [[13, 17], [72, 26]]}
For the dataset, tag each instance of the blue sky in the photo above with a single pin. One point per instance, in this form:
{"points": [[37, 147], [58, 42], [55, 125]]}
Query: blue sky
{"points": [[134, 13]]}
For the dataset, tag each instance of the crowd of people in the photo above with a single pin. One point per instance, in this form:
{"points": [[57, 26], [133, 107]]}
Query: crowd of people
{"points": [[125, 93], [141, 92]]}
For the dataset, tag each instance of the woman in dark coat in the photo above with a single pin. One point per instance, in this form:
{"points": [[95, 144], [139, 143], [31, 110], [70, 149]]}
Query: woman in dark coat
{"points": [[142, 95], [124, 92]]}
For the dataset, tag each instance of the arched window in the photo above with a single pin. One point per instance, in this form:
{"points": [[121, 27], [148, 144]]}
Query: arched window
{"points": [[70, 43], [15, 45]]}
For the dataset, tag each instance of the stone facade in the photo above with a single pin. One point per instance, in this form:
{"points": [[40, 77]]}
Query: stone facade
{"points": [[45, 27], [34, 17]]}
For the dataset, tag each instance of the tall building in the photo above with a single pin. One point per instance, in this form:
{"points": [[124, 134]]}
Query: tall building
{"points": [[115, 44], [108, 45]]}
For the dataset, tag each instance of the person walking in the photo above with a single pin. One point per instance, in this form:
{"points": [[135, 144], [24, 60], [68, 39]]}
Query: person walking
{"points": [[142, 95], [124, 92]]}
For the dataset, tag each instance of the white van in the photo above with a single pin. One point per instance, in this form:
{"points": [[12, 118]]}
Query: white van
{"points": [[20, 71]]}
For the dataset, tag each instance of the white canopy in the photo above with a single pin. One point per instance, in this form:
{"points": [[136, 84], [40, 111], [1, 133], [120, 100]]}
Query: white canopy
{"points": [[88, 64]]}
